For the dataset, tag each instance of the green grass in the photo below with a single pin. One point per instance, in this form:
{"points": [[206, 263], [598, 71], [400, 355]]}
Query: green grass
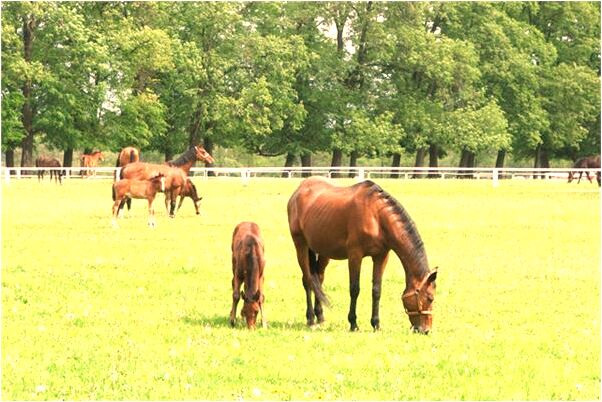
{"points": [[89, 312]]}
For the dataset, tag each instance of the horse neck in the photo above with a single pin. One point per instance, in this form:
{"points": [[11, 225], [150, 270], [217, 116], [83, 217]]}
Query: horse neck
{"points": [[252, 274], [404, 240], [185, 161]]}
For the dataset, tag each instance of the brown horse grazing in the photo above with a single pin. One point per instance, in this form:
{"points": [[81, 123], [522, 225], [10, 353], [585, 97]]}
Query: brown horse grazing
{"points": [[588, 162], [142, 171], [90, 160], [350, 223], [189, 190], [46, 161], [247, 267], [143, 189]]}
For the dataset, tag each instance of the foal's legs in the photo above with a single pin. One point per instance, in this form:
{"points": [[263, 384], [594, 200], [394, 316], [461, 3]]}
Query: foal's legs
{"points": [[380, 261], [151, 212], [355, 267], [236, 283]]}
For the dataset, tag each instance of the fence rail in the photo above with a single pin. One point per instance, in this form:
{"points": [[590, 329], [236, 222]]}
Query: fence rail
{"points": [[360, 173]]}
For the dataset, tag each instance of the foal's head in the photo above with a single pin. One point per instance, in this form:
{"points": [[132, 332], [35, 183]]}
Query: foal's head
{"points": [[190, 190], [418, 303], [158, 182], [251, 308]]}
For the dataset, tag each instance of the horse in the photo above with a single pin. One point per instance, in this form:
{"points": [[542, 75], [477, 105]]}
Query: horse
{"points": [[328, 222], [126, 155], [248, 265], [189, 190], [142, 189], [90, 160], [142, 171], [588, 162], [46, 161]]}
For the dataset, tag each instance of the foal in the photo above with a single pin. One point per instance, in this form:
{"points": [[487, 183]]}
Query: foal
{"points": [[189, 190], [247, 267], [142, 189]]}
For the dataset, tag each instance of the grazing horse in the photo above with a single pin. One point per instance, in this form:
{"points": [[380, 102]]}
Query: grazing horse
{"points": [[350, 223], [46, 161], [90, 160], [247, 267], [588, 162], [189, 190], [142, 171], [143, 189]]}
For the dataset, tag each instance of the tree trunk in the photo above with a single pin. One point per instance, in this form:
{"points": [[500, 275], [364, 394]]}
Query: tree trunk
{"points": [[10, 159], [68, 157], [289, 162], [463, 163], [352, 163], [501, 156], [169, 154], [419, 162], [433, 160], [306, 162], [29, 24], [396, 162], [208, 145], [337, 160]]}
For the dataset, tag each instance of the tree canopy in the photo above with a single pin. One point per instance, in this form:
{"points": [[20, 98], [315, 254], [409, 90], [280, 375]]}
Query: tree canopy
{"points": [[288, 78]]}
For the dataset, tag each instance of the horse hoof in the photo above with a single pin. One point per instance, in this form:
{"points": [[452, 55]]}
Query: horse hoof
{"points": [[354, 328]]}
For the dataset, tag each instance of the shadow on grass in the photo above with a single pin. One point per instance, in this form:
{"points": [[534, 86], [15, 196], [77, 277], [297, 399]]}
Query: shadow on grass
{"points": [[224, 322]]}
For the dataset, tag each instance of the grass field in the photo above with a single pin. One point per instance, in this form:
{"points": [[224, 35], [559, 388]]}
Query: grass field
{"points": [[90, 312]]}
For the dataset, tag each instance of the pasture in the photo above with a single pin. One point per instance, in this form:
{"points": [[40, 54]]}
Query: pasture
{"points": [[90, 312]]}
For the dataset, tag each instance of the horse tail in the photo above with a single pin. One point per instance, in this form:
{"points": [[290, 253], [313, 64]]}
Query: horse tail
{"points": [[114, 195], [315, 278], [132, 156], [118, 160]]}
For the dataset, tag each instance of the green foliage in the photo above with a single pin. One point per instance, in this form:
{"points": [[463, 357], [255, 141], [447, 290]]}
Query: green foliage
{"points": [[296, 78]]}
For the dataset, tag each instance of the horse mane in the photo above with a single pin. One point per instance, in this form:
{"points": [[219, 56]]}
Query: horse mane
{"points": [[402, 216], [188, 156]]}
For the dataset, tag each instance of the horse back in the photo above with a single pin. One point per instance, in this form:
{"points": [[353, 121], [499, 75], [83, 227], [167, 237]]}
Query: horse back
{"points": [[247, 246], [335, 221]]}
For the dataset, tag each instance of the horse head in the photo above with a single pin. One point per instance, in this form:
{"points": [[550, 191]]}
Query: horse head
{"points": [[418, 303], [191, 190], [202, 155], [250, 308], [159, 177]]}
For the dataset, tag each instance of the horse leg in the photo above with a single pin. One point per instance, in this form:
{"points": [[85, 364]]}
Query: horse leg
{"points": [[303, 260], [588, 176], [598, 178], [355, 266], [580, 174], [322, 263], [151, 213], [115, 212], [380, 261], [173, 196], [236, 282]]}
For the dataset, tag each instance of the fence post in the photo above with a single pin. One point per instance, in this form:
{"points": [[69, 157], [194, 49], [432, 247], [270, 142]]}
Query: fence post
{"points": [[496, 177], [360, 174], [244, 175]]}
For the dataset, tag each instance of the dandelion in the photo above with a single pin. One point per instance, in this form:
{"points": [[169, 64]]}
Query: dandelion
{"points": [[40, 389], [236, 344], [256, 392], [187, 387], [340, 377]]}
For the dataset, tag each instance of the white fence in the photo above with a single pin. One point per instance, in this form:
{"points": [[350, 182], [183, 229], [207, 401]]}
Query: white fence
{"points": [[360, 173]]}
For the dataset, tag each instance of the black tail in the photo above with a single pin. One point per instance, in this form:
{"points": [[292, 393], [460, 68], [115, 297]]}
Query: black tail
{"points": [[117, 163], [132, 156], [315, 279], [114, 196]]}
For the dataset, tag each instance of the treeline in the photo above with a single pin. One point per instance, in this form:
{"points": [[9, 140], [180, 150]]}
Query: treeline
{"points": [[293, 78]]}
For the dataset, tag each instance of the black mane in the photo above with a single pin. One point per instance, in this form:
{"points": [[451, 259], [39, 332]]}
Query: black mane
{"points": [[189, 155]]}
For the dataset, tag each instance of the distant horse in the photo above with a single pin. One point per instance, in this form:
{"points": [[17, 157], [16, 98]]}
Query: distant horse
{"points": [[142, 171], [351, 223], [588, 162], [189, 190], [143, 189], [89, 161], [46, 161], [247, 267]]}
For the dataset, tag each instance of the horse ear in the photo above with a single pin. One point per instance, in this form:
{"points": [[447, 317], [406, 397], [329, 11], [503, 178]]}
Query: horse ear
{"points": [[433, 275]]}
